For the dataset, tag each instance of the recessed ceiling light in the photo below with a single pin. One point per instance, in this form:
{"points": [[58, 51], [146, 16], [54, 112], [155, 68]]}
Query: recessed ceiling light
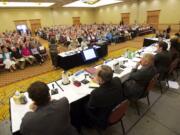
{"points": [[92, 3], [26, 4]]}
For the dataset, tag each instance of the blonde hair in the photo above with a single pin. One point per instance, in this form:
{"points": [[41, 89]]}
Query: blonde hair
{"points": [[149, 58]]}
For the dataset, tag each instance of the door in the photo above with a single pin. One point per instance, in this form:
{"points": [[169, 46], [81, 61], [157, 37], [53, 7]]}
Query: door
{"points": [[76, 21], [21, 26], [125, 18], [153, 18], [35, 25]]}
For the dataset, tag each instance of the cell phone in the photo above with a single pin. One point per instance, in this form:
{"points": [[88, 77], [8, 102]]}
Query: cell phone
{"points": [[85, 81], [122, 66]]}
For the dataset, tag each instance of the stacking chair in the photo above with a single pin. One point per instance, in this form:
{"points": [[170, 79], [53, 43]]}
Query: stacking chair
{"points": [[173, 67], [116, 115], [146, 93]]}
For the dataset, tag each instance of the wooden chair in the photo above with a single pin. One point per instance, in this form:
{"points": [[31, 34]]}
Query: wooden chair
{"points": [[117, 114], [146, 92]]}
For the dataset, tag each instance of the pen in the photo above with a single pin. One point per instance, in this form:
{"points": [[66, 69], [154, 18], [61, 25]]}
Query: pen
{"points": [[59, 86]]}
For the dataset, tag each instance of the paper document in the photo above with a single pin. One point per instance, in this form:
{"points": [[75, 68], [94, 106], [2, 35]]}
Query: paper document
{"points": [[173, 84]]}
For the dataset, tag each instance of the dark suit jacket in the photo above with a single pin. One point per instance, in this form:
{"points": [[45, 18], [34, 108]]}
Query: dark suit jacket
{"points": [[162, 61], [52, 119], [103, 100], [137, 82]]}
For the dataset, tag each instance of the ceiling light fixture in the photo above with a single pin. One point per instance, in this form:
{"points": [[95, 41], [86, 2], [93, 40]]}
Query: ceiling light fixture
{"points": [[92, 3], [26, 4]]}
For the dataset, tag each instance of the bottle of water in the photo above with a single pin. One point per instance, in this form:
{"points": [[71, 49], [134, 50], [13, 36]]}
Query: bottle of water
{"points": [[126, 53], [133, 54], [129, 55]]}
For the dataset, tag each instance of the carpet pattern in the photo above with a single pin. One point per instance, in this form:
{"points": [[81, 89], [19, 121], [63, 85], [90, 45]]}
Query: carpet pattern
{"points": [[7, 91]]}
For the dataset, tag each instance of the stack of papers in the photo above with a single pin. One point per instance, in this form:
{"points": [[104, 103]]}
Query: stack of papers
{"points": [[93, 85], [173, 84]]}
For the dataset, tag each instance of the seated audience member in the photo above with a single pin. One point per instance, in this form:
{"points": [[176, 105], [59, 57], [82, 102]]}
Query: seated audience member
{"points": [[47, 117], [162, 59], [18, 58], [42, 50], [166, 35], [79, 40], [7, 60], [105, 98], [139, 79], [26, 53], [35, 52], [109, 36], [1, 58]]}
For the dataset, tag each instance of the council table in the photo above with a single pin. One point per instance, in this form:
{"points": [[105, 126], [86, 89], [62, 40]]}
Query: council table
{"points": [[70, 59], [72, 92], [150, 41]]}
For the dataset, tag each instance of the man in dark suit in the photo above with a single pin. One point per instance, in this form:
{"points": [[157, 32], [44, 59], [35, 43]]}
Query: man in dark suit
{"points": [[48, 117], [105, 98], [162, 59], [138, 80], [175, 48]]}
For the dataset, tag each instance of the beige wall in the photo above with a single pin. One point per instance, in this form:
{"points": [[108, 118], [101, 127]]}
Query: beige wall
{"points": [[64, 15], [49, 17], [169, 10], [170, 14], [7, 16], [112, 13]]}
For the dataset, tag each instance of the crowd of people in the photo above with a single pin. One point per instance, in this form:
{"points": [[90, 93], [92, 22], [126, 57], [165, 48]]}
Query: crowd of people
{"points": [[77, 35], [53, 117], [19, 49]]}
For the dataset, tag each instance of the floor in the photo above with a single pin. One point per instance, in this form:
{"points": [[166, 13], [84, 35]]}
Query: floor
{"points": [[160, 118]]}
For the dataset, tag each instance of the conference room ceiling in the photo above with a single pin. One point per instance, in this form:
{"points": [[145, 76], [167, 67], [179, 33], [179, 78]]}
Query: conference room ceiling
{"points": [[58, 3]]}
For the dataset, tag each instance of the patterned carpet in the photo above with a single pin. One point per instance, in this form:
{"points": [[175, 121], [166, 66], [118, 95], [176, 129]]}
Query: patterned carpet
{"points": [[7, 91]]}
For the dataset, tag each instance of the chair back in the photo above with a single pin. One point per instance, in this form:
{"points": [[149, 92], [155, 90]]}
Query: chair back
{"points": [[152, 82], [174, 65], [118, 112]]}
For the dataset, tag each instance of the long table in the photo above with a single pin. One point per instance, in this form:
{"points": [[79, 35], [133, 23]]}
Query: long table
{"points": [[70, 59], [71, 92], [150, 41]]}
